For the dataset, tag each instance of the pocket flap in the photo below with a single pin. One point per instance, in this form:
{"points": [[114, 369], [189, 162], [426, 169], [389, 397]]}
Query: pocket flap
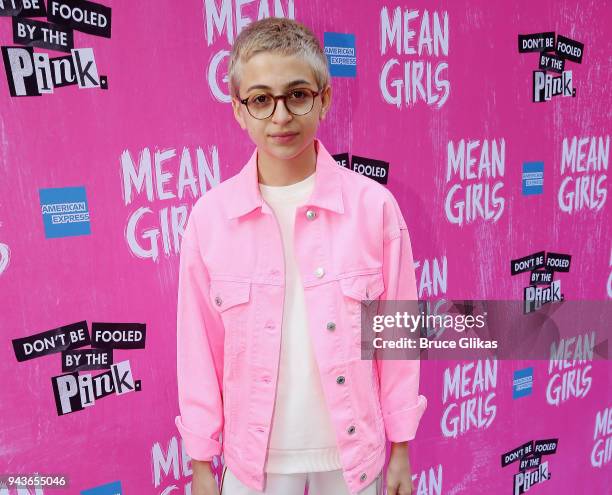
{"points": [[226, 294], [365, 287]]}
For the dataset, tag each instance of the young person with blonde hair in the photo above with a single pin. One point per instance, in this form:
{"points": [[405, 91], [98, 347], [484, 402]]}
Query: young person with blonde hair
{"points": [[276, 264]]}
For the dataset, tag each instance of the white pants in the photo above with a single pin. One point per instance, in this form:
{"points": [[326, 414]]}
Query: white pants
{"points": [[321, 483]]}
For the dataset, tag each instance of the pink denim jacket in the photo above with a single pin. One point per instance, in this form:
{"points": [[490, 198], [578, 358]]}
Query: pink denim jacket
{"points": [[351, 244]]}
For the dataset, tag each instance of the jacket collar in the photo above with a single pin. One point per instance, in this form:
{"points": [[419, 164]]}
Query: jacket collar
{"points": [[327, 192]]}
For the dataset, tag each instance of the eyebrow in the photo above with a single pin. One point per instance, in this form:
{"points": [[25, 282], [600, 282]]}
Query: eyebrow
{"points": [[288, 85]]}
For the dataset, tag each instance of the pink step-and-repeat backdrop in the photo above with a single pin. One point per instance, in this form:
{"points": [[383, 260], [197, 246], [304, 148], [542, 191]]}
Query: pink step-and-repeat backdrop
{"points": [[490, 123]]}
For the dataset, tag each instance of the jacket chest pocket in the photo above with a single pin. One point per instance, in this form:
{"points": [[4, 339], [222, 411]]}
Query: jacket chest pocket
{"points": [[360, 293], [363, 286]]}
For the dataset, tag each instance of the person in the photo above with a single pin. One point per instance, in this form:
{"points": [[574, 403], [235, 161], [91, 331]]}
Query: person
{"points": [[276, 264]]}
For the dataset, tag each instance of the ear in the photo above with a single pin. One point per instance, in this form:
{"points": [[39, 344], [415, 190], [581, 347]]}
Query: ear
{"points": [[326, 96], [238, 115]]}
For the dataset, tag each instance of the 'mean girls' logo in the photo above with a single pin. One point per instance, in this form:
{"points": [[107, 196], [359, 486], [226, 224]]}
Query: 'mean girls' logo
{"points": [[475, 173], [421, 74], [602, 436], [569, 368], [468, 397], [584, 172], [164, 187]]}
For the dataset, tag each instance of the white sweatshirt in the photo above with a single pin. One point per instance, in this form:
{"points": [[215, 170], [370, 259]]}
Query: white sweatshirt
{"points": [[302, 437]]}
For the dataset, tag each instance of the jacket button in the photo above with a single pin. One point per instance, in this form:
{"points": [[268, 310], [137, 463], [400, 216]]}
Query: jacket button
{"points": [[351, 430], [340, 380], [363, 477], [311, 214], [331, 325], [218, 301], [319, 272]]}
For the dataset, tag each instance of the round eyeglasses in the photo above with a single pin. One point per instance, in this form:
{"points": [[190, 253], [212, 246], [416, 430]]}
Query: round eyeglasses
{"points": [[297, 102]]}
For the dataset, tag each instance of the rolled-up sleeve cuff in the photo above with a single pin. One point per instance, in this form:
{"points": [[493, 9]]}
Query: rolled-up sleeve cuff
{"points": [[402, 425], [197, 447]]}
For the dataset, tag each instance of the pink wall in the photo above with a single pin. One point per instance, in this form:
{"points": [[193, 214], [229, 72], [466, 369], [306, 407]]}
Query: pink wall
{"points": [[163, 102]]}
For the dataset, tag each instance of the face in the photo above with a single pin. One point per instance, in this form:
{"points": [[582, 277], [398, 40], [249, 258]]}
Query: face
{"points": [[272, 73]]}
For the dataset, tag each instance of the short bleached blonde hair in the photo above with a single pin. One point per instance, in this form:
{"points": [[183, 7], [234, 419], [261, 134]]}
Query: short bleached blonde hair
{"points": [[277, 35]]}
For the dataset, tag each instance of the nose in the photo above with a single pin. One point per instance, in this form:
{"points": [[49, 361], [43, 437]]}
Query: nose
{"points": [[281, 114]]}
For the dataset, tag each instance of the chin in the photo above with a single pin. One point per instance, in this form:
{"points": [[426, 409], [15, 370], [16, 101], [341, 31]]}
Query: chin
{"points": [[285, 153], [286, 150]]}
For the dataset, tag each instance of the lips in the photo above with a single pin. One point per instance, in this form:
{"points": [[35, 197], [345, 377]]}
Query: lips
{"points": [[284, 134]]}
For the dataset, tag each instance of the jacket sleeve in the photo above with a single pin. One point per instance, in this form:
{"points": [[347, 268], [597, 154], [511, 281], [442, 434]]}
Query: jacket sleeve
{"points": [[200, 336], [402, 406]]}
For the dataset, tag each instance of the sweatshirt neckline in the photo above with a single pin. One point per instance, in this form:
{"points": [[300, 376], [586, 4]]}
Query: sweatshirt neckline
{"points": [[292, 191]]}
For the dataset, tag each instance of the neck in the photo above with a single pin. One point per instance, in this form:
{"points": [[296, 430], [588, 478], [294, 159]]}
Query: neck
{"points": [[273, 171]]}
